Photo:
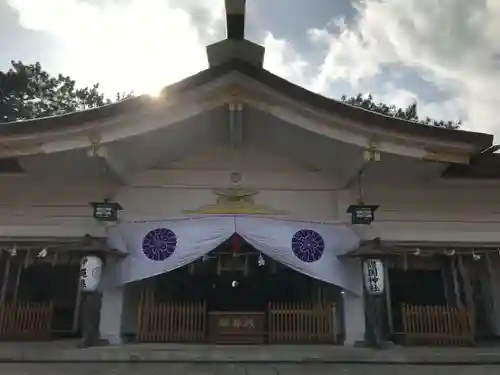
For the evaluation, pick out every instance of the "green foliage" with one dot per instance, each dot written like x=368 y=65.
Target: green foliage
x=28 y=92
x=409 y=114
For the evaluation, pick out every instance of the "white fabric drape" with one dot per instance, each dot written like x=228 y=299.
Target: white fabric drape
x=194 y=238
x=189 y=239
x=274 y=238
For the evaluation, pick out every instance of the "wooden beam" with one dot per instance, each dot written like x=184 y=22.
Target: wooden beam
x=469 y=299
x=5 y=279
x=78 y=302
x=20 y=268
x=235 y=124
x=388 y=299
x=235 y=19
x=456 y=286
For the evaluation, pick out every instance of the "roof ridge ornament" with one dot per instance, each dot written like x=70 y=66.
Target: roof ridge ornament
x=235 y=19
x=235 y=201
x=235 y=46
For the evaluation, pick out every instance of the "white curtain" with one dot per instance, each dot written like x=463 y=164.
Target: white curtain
x=308 y=248
x=158 y=247
x=162 y=246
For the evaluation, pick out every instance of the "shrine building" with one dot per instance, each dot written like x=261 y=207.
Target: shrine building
x=238 y=207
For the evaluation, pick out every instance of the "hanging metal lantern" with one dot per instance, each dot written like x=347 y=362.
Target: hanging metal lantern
x=373 y=275
x=362 y=213
x=106 y=210
x=90 y=273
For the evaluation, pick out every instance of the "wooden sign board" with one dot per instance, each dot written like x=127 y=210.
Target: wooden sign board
x=236 y=327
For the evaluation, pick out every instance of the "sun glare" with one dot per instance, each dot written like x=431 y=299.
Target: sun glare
x=153 y=92
x=139 y=46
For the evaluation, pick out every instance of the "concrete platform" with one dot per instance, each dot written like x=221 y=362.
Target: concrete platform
x=67 y=351
x=128 y=368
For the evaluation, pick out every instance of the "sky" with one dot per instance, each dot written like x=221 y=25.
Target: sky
x=443 y=54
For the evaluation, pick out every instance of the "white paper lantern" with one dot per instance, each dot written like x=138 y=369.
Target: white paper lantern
x=373 y=274
x=90 y=273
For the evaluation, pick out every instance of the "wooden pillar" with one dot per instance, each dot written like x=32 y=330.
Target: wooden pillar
x=374 y=314
x=374 y=336
x=90 y=313
x=5 y=281
x=456 y=284
x=446 y=284
x=20 y=268
x=469 y=299
x=78 y=305
x=487 y=290
x=388 y=300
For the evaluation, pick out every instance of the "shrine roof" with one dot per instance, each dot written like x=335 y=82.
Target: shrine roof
x=80 y=245
x=484 y=166
x=142 y=103
x=378 y=248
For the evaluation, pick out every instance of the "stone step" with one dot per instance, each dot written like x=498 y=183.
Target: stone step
x=68 y=352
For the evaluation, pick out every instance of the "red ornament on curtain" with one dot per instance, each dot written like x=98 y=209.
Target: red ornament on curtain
x=236 y=243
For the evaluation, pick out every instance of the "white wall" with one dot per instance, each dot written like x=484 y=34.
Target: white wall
x=444 y=213
x=39 y=208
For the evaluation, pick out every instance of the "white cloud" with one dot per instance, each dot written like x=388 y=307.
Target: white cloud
x=145 y=45
x=139 y=45
x=454 y=43
x=399 y=97
x=282 y=59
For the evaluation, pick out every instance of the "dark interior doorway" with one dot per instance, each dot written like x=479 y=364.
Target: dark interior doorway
x=44 y=282
x=416 y=287
x=235 y=277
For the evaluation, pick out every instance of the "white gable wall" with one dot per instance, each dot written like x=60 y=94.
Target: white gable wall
x=43 y=208
x=188 y=184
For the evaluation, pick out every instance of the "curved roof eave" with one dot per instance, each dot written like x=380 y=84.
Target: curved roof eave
x=75 y=120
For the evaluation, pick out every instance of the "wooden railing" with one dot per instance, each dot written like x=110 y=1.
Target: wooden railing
x=436 y=325
x=26 y=320
x=172 y=321
x=301 y=323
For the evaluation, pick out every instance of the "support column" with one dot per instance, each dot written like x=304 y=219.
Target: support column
x=354 y=309
x=354 y=319
x=90 y=313
x=111 y=315
x=494 y=276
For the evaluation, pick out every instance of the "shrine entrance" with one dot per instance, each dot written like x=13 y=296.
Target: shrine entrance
x=234 y=295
